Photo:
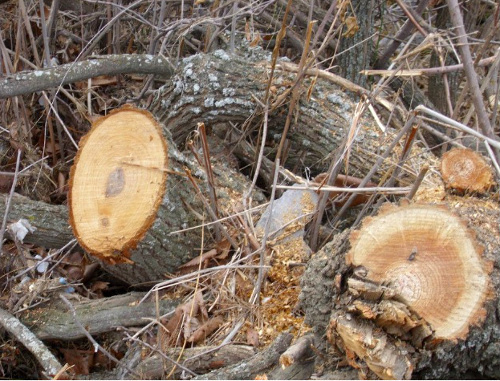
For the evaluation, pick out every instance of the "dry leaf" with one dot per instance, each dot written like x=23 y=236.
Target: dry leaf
x=252 y=337
x=82 y=360
x=352 y=26
x=256 y=40
x=206 y=329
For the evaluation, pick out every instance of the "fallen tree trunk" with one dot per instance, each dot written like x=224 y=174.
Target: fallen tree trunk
x=55 y=322
x=413 y=293
x=219 y=88
x=213 y=89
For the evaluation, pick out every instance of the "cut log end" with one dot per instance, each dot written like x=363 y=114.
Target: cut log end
x=431 y=261
x=117 y=183
x=417 y=280
x=466 y=171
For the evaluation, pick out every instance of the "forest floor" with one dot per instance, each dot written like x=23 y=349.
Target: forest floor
x=39 y=135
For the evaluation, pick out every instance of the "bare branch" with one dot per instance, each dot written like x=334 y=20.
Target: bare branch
x=19 y=331
x=37 y=80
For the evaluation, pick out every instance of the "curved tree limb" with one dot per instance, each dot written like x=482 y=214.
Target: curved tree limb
x=19 y=331
x=30 y=81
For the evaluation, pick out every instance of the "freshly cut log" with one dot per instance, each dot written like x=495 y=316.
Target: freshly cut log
x=221 y=91
x=117 y=183
x=126 y=211
x=466 y=171
x=403 y=295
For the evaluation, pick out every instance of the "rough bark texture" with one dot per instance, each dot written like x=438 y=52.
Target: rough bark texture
x=217 y=89
x=355 y=47
x=324 y=290
x=55 y=322
x=51 y=221
x=436 y=89
x=220 y=88
x=161 y=252
x=199 y=360
x=256 y=365
x=37 y=80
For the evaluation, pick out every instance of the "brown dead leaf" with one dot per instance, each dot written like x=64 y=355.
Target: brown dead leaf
x=6 y=183
x=352 y=25
x=82 y=360
x=256 y=40
x=252 y=337
x=103 y=80
x=98 y=287
x=206 y=329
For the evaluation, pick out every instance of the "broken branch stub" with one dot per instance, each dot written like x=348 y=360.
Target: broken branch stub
x=117 y=183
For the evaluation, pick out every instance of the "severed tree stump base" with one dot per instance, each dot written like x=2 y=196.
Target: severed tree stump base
x=413 y=293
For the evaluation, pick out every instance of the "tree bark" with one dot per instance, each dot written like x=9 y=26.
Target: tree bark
x=27 y=82
x=200 y=360
x=55 y=322
x=161 y=249
x=256 y=365
x=51 y=221
x=221 y=90
x=355 y=49
x=217 y=89
x=379 y=324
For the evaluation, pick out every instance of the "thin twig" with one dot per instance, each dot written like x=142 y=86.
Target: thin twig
x=9 y=199
x=375 y=167
x=418 y=181
x=260 y=278
x=327 y=188
x=210 y=211
x=463 y=47
x=163 y=355
x=453 y=123
x=401 y=36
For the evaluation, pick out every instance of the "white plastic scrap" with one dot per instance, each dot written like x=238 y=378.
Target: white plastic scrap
x=21 y=228
x=42 y=265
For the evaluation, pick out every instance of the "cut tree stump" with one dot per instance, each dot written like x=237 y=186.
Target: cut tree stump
x=405 y=294
x=466 y=171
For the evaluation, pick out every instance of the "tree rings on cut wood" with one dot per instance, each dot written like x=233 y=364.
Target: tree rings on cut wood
x=405 y=294
x=465 y=170
x=117 y=183
x=431 y=261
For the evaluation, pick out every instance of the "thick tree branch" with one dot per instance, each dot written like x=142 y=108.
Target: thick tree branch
x=37 y=80
x=55 y=322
